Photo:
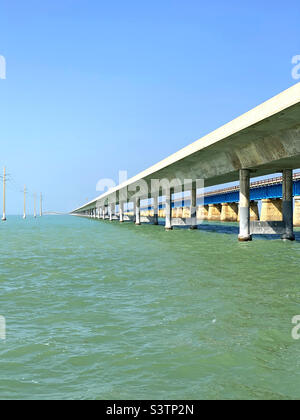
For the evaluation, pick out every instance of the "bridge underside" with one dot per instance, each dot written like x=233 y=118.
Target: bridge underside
x=221 y=163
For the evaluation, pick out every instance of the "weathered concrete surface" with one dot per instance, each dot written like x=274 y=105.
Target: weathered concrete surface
x=186 y=213
x=267 y=228
x=147 y=219
x=214 y=212
x=179 y=213
x=202 y=212
x=181 y=222
x=297 y=212
x=229 y=212
x=287 y=204
x=244 y=209
x=271 y=210
x=254 y=212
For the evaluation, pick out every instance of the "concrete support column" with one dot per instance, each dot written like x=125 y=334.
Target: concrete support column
x=225 y=213
x=186 y=213
x=155 y=207
x=214 y=212
x=297 y=211
x=287 y=204
x=121 y=211
x=134 y=212
x=168 y=210
x=202 y=213
x=138 y=212
x=229 y=212
x=245 y=206
x=179 y=213
x=193 y=209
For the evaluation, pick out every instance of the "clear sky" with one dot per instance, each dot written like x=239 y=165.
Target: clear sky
x=94 y=87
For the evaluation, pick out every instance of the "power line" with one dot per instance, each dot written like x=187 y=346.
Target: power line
x=10 y=184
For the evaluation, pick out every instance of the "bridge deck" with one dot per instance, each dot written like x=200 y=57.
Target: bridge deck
x=265 y=140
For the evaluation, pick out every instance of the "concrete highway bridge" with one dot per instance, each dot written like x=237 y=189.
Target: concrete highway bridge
x=264 y=141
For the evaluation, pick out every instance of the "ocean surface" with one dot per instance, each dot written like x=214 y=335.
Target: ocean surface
x=99 y=310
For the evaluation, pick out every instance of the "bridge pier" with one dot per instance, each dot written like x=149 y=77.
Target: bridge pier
x=287 y=204
x=271 y=210
x=245 y=235
x=121 y=211
x=297 y=211
x=179 y=213
x=112 y=212
x=254 y=213
x=138 y=212
x=202 y=213
x=214 y=212
x=229 y=212
x=155 y=207
x=168 y=210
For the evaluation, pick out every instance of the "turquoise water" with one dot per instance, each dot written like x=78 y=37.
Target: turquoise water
x=99 y=310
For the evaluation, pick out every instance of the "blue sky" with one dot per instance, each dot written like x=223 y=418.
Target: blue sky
x=94 y=87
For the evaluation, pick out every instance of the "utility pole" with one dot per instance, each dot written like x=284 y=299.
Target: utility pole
x=24 y=216
x=41 y=205
x=34 y=211
x=4 y=182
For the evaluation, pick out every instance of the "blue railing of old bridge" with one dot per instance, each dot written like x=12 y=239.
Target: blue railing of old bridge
x=256 y=194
